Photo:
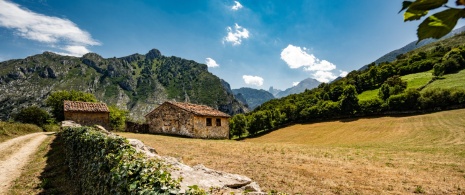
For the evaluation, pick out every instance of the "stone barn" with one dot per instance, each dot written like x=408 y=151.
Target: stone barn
x=87 y=113
x=188 y=119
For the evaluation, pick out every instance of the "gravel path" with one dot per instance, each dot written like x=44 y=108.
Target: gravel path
x=15 y=153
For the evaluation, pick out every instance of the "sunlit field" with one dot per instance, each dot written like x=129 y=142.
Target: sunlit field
x=385 y=155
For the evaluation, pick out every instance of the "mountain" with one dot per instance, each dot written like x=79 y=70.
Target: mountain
x=274 y=91
x=391 y=56
x=252 y=97
x=308 y=83
x=135 y=82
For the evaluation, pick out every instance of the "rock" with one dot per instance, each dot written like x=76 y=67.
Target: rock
x=69 y=124
x=200 y=175
x=141 y=146
x=102 y=129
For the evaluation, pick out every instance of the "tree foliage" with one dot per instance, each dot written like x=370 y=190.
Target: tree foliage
x=339 y=99
x=55 y=101
x=32 y=115
x=117 y=118
x=436 y=25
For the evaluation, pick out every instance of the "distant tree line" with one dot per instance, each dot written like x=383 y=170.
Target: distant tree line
x=339 y=99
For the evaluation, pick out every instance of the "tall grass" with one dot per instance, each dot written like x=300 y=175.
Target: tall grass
x=10 y=130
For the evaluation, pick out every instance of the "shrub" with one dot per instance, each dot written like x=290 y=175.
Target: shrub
x=101 y=164
x=372 y=106
x=32 y=115
x=117 y=118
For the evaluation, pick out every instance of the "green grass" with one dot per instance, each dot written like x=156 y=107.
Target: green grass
x=368 y=95
x=418 y=79
x=413 y=81
x=456 y=80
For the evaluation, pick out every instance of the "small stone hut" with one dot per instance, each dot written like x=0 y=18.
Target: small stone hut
x=189 y=120
x=87 y=113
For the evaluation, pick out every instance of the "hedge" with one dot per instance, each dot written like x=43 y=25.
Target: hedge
x=101 y=164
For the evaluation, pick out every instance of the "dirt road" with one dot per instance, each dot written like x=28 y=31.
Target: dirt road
x=14 y=154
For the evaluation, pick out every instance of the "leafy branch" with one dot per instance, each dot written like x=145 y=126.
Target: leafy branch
x=436 y=25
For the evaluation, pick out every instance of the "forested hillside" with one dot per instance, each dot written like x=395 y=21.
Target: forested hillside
x=136 y=82
x=340 y=99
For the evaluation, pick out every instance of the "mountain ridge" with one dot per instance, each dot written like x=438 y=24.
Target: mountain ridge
x=135 y=82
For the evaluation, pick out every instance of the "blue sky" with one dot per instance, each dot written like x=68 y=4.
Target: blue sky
x=248 y=43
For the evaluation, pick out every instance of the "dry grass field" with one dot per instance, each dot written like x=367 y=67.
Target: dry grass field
x=385 y=155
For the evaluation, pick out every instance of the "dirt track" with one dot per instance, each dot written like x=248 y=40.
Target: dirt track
x=14 y=154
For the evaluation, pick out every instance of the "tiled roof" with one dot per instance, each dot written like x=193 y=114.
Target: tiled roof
x=84 y=106
x=201 y=110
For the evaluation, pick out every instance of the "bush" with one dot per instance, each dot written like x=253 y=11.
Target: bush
x=32 y=115
x=117 y=118
x=101 y=164
x=372 y=106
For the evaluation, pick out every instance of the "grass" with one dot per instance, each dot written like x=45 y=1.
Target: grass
x=418 y=79
x=368 y=95
x=29 y=182
x=386 y=155
x=413 y=81
x=456 y=80
x=9 y=130
x=46 y=173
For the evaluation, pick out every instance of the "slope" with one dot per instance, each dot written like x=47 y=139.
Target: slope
x=253 y=97
x=136 y=82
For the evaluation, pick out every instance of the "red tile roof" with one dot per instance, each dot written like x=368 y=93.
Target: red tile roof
x=196 y=109
x=73 y=106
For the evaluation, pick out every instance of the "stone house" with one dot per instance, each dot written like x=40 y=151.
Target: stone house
x=189 y=120
x=87 y=113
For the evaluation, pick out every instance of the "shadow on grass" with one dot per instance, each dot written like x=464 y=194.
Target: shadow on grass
x=55 y=177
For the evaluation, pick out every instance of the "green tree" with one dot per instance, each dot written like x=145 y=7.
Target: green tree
x=349 y=100
x=55 y=101
x=32 y=115
x=238 y=125
x=438 y=24
x=117 y=118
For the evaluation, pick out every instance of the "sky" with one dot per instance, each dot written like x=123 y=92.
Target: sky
x=248 y=43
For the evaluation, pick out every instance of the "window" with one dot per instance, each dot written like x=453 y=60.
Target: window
x=209 y=121
x=218 y=122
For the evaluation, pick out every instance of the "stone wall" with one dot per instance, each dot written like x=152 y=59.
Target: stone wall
x=89 y=118
x=171 y=120
x=168 y=119
x=201 y=130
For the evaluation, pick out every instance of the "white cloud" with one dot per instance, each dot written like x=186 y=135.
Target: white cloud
x=295 y=83
x=297 y=57
x=211 y=63
x=253 y=80
x=46 y=29
x=236 y=35
x=343 y=73
x=236 y=6
x=324 y=76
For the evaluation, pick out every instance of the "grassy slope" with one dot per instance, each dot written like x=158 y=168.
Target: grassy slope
x=450 y=81
x=11 y=130
x=386 y=155
x=413 y=81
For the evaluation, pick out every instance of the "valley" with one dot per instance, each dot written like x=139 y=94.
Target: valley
x=384 y=155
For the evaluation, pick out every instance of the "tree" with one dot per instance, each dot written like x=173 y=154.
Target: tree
x=349 y=100
x=55 y=101
x=32 y=115
x=117 y=117
x=436 y=25
x=238 y=125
